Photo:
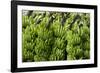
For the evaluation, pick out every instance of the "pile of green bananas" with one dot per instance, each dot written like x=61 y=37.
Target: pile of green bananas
x=55 y=36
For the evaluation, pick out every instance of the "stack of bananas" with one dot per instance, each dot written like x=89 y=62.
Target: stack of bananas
x=55 y=36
